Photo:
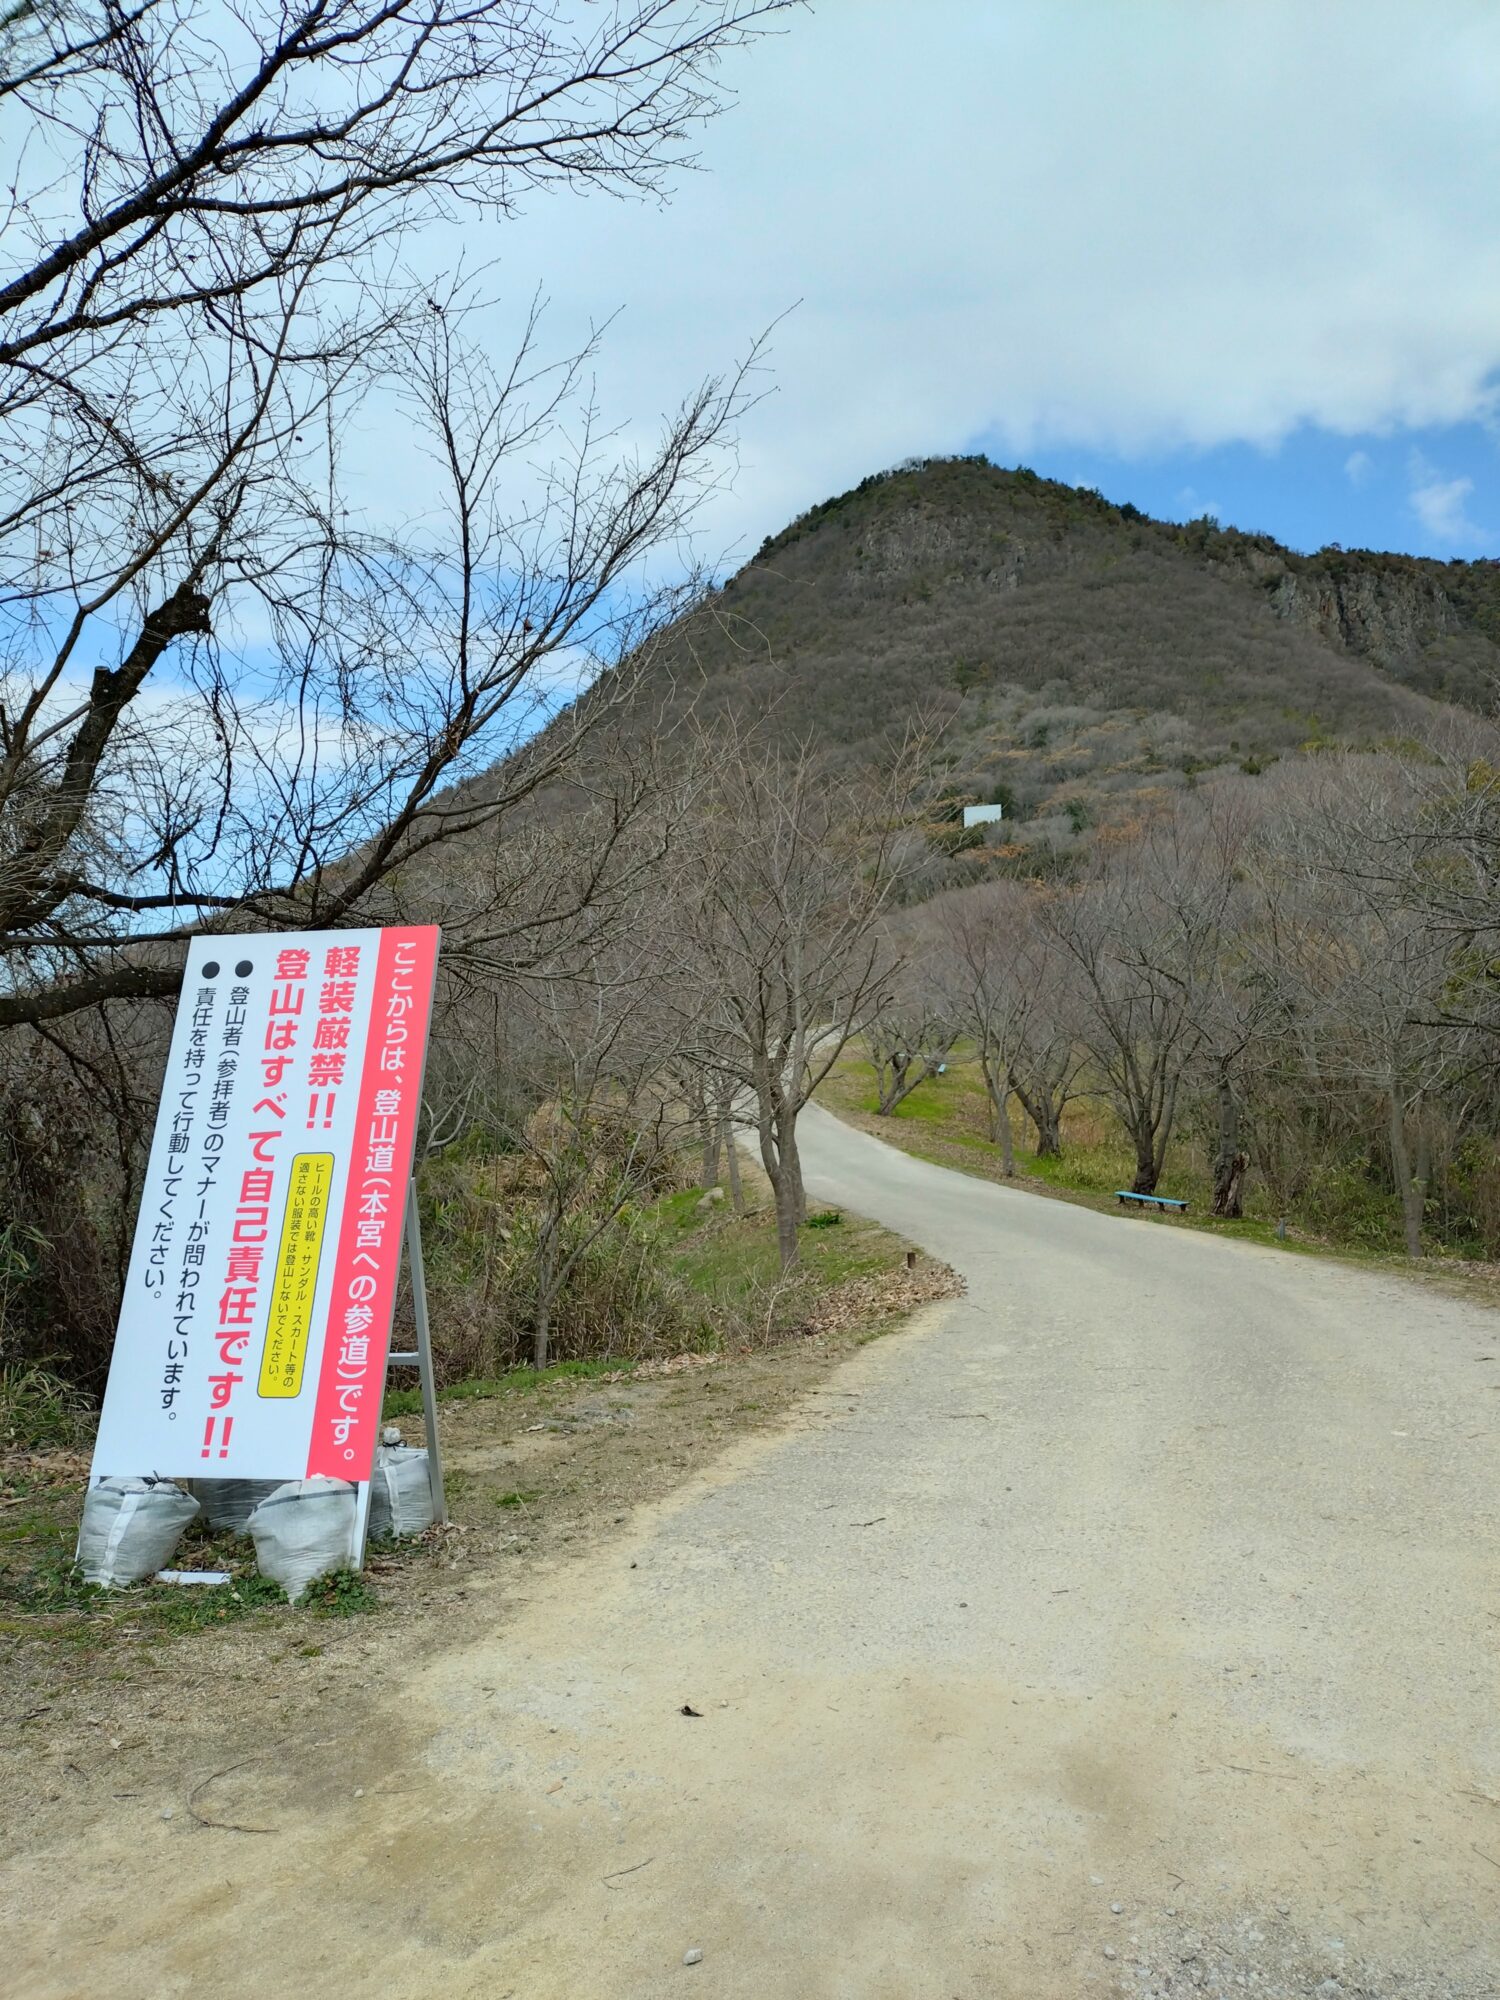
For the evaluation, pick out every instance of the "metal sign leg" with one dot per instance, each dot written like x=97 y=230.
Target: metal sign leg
x=424 y=1353
x=361 y=1523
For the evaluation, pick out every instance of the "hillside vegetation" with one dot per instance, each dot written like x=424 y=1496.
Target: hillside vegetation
x=1085 y=662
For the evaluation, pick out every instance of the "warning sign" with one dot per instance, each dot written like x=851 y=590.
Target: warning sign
x=257 y=1312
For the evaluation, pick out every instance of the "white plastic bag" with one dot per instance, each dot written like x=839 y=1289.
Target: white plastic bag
x=303 y=1530
x=131 y=1527
x=400 y=1491
x=229 y=1503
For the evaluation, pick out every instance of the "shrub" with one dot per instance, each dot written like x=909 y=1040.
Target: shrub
x=73 y=1128
x=480 y=1245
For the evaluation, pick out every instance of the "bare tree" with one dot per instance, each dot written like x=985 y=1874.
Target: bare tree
x=1143 y=933
x=1235 y=1006
x=1362 y=971
x=1008 y=985
x=910 y=1036
x=781 y=944
x=227 y=698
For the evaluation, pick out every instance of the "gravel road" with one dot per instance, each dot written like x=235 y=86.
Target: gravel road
x=1126 y=1627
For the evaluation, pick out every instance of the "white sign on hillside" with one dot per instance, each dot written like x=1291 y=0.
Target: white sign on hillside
x=257 y=1313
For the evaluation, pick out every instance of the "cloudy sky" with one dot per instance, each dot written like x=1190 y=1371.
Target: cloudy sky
x=1239 y=258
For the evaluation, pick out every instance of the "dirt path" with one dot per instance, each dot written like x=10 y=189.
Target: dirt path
x=1127 y=1627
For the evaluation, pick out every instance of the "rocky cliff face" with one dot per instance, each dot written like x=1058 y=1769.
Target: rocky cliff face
x=1432 y=626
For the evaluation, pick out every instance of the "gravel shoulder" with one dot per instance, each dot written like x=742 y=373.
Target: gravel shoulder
x=1124 y=1627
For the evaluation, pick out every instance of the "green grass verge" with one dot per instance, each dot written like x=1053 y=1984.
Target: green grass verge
x=515 y=1382
x=946 y=1121
x=43 y=1593
x=729 y=1259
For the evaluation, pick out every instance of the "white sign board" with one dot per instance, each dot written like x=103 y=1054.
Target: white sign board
x=257 y=1313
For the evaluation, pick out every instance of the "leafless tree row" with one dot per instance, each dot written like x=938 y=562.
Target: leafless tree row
x=1303 y=967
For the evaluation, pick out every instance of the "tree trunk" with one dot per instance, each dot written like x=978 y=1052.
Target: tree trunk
x=1147 y=1171
x=1229 y=1162
x=1411 y=1193
x=1043 y=1113
x=732 y=1166
x=791 y=1164
x=713 y=1139
x=764 y=1133
x=1005 y=1136
x=1229 y=1184
x=788 y=1248
x=1149 y=1122
x=889 y=1076
x=1000 y=1130
x=905 y=1073
x=791 y=1200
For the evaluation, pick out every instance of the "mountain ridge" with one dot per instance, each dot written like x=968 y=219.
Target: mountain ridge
x=1077 y=652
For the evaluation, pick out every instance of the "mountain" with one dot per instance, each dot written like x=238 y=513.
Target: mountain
x=1078 y=654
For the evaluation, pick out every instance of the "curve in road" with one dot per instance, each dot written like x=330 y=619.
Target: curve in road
x=1125 y=1627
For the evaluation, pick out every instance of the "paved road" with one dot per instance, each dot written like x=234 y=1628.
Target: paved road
x=1158 y=1572
x=1127 y=1627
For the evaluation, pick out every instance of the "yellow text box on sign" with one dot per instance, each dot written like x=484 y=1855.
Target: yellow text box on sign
x=296 y=1280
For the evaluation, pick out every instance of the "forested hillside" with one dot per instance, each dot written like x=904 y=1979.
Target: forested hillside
x=1082 y=658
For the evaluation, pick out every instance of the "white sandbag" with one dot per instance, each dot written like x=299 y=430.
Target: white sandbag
x=131 y=1527
x=229 y=1503
x=303 y=1530
x=400 y=1492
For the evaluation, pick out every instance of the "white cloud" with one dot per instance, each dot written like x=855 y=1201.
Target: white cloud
x=1358 y=467
x=1051 y=221
x=1441 y=505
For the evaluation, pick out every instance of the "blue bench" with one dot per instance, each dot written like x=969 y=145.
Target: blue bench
x=1150 y=1200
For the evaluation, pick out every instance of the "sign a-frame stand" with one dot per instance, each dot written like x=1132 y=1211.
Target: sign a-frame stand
x=421 y=1359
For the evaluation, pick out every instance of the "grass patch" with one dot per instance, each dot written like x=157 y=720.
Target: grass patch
x=54 y=1591
x=732 y=1263
x=56 y=1583
x=343 y=1593
x=187 y=1607
x=515 y=1382
x=48 y=1599
x=946 y=1121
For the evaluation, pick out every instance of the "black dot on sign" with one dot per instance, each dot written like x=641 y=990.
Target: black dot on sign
x=211 y=970
x=244 y=969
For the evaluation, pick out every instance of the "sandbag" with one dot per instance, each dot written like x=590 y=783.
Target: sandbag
x=303 y=1530
x=130 y=1528
x=400 y=1491
x=229 y=1503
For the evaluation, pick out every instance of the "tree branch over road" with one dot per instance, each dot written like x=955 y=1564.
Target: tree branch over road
x=230 y=695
